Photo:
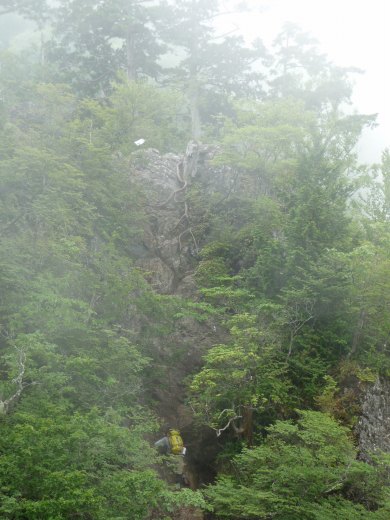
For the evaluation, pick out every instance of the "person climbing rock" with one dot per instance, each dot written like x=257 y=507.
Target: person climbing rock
x=162 y=445
x=172 y=445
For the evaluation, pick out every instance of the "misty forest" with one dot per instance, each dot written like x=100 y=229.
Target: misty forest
x=190 y=241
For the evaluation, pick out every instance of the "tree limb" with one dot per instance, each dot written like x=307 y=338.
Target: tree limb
x=19 y=381
x=220 y=430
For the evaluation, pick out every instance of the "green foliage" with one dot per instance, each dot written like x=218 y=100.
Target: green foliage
x=243 y=376
x=185 y=498
x=210 y=66
x=139 y=110
x=263 y=136
x=299 y=471
x=291 y=279
x=91 y=43
x=74 y=311
x=300 y=71
x=66 y=463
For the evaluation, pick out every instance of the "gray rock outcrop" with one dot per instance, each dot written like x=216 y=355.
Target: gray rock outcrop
x=171 y=242
x=373 y=428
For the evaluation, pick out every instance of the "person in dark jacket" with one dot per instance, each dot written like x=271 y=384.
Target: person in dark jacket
x=176 y=461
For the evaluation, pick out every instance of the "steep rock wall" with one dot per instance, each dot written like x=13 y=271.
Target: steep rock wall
x=167 y=252
x=170 y=244
x=373 y=428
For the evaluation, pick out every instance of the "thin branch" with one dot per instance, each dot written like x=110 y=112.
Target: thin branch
x=219 y=36
x=18 y=380
x=185 y=215
x=189 y=230
x=175 y=192
x=220 y=430
x=195 y=242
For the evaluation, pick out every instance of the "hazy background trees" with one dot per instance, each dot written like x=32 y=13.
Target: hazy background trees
x=293 y=265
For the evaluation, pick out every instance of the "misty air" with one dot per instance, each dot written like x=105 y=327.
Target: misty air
x=194 y=260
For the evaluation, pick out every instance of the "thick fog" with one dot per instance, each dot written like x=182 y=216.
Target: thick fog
x=352 y=33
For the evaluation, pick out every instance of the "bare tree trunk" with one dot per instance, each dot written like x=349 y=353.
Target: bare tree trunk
x=130 y=53
x=247 y=425
x=193 y=98
x=358 y=331
x=42 y=44
x=6 y=404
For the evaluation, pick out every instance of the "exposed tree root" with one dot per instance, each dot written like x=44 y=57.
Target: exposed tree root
x=187 y=168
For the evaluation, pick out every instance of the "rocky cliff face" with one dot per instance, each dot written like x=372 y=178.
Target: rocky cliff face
x=374 y=425
x=171 y=242
x=167 y=252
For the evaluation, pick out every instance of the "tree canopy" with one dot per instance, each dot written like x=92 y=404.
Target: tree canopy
x=280 y=323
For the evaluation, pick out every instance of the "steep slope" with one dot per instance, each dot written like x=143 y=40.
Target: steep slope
x=168 y=255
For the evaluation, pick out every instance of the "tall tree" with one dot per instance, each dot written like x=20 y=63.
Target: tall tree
x=208 y=63
x=299 y=70
x=93 y=41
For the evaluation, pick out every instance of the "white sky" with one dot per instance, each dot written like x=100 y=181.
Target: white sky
x=352 y=33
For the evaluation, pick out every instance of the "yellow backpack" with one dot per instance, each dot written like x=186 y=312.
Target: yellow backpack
x=175 y=442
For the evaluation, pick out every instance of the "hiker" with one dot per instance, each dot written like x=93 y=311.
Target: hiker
x=163 y=445
x=172 y=444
